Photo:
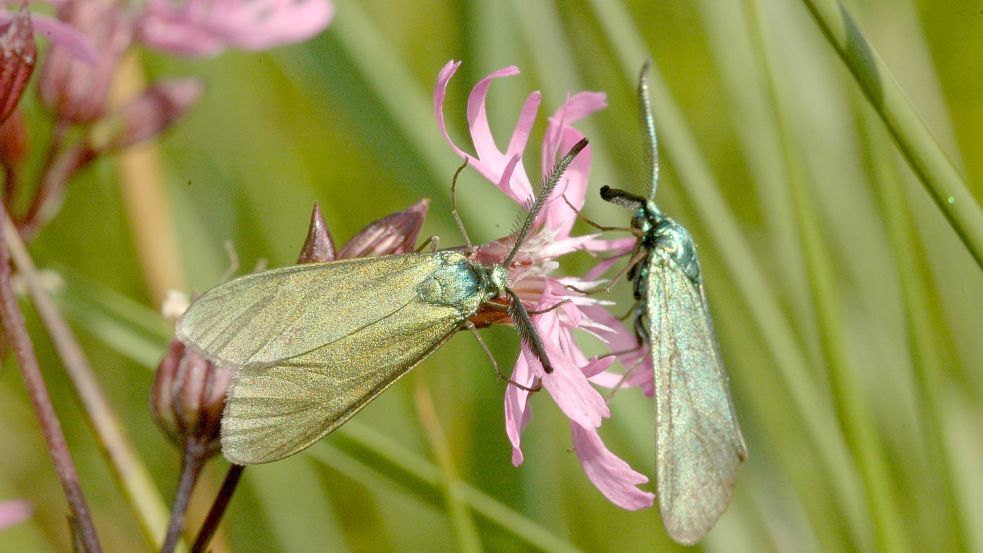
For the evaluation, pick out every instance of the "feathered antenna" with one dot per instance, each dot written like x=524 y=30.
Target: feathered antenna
x=552 y=179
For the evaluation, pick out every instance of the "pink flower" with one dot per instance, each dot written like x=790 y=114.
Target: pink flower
x=530 y=274
x=207 y=27
x=14 y=512
x=60 y=34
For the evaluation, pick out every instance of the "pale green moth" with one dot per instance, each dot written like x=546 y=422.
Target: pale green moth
x=313 y=344
x=698 y=444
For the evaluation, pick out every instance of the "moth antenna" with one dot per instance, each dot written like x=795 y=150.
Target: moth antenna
x=650 y=146
x=552 y=179
x=527 y=332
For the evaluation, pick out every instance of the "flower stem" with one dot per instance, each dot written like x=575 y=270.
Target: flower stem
x=934 y=169
x=13 y=324
x=218 y=508
x=853 y=412
x=460 y=514
x=145 y=195
x=128 y=469
x=191 y=467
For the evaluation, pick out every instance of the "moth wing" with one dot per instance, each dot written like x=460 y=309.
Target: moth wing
x=275 y=411
x=266 y=317
x=698 y=442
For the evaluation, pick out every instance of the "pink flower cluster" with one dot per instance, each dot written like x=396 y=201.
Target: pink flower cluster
x=570 y=383
x=206 y=27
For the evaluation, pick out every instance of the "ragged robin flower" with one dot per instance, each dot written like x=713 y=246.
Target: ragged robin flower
x=531 y=274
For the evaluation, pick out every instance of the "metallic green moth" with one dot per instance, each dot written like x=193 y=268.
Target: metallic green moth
x=698 y=443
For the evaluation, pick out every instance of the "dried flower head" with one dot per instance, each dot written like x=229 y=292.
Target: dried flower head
x=17 y=57
x=76 y=89
x=187 y=398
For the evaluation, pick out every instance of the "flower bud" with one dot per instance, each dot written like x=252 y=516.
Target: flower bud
x=17 y=57
x=319 y=246
x=13 y=141
x=395 y=233
x=76 y=89
x=147 y=115
x=188 y=397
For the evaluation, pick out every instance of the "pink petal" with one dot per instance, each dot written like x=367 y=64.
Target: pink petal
x=607 y=263
x=597 y=366
x=563 y=246
x=560 y=137
x=568 y=386
x=609 y=473
x=620 y=339
x=206 y=27
x=61 y=34
x=14 y=512
x=439 y=94
x=489 y=161
x=516 y=406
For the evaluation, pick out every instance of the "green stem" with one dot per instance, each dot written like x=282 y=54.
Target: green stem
x=923 y=340
x=215 y=514
x=461 y=521
x=191 y=467
x=414 y=467
x=83 y=529
x=855 y=419
x=924 y=154
x=128 y=469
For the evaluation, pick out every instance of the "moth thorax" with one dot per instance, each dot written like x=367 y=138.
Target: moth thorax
x=454 y=284
x=674 y=242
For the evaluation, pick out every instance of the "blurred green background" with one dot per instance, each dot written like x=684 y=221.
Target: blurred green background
x=847 y=309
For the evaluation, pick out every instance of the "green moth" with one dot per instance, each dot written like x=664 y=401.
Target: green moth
x=698 y=443
x=313 y=344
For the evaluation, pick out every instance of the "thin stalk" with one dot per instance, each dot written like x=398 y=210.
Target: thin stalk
x=128 y=469
x=920 y=148
x=215 y=514
x=191 y=467
x=855 y=419
x=923 y=344
x=144 y=194
x=13 y=325
x=413 y=467
x=461 y=521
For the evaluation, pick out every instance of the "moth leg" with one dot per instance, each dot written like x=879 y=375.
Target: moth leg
x=637 y=256
x=625 y=376
x=433 y=241
x=457 y=216
x=499 y=307
x=548 y=309
x=470 y=326
x=598 y=226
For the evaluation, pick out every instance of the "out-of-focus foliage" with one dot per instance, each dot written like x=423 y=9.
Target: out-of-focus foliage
x=765 y=140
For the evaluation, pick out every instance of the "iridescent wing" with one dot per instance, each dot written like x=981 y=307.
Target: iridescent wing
x=698 y=442
x=274 y=412
x=262 y=318
x=313 y=344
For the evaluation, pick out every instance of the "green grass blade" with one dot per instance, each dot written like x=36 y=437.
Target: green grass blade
x=912 y=135
x=854 y=415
